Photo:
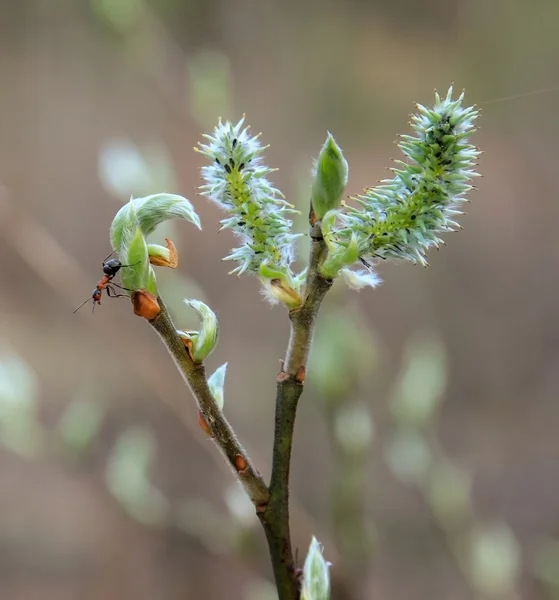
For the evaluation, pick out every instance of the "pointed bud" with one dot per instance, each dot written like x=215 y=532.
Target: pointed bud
x=202 y=343
x=316 y=574
x=329 y=178
x=145 y=305
x=163 y=257
x=216 y=383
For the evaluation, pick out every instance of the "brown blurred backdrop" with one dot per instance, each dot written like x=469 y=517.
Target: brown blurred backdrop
x=108 y=489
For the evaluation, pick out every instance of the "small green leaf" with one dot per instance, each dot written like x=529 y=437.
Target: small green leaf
x=339 y=257
x=216 y=383
x=135 y=276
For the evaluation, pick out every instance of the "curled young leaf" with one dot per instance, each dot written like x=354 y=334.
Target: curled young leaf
x=150 y=212
x=136 y=220
x=201 y=344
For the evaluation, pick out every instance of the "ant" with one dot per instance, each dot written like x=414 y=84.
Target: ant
x=111 y=266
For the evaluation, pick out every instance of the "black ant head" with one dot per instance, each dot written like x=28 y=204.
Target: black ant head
x=96 y=295
x=112 y=267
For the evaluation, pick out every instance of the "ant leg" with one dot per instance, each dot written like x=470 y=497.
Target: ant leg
x=136 y=263
x=120 y=286
x=114 y=294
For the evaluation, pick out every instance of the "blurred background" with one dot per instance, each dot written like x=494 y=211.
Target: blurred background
x=426 y=453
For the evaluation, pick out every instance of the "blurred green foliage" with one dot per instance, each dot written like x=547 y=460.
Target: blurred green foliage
x=20 y=429
x=127 y=477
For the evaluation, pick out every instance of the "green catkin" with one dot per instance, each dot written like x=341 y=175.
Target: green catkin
x=404 y=216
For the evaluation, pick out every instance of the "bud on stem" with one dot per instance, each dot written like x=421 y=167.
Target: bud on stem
x=330 y=174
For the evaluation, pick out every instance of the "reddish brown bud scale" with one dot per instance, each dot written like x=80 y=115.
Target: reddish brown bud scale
x=240 y=463
x=204 y=424
x=188 y=345
x=173 y=261
x=145 y=305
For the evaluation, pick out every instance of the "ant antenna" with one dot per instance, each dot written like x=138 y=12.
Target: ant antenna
x=108 y=257
x=82 y=304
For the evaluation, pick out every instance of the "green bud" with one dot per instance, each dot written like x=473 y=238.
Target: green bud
x=329 y=178
x=216 y=383
x=316 y=574
x=203 y=342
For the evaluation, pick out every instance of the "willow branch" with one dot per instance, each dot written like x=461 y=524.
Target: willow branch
x=223 y=434
x=275 y=519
